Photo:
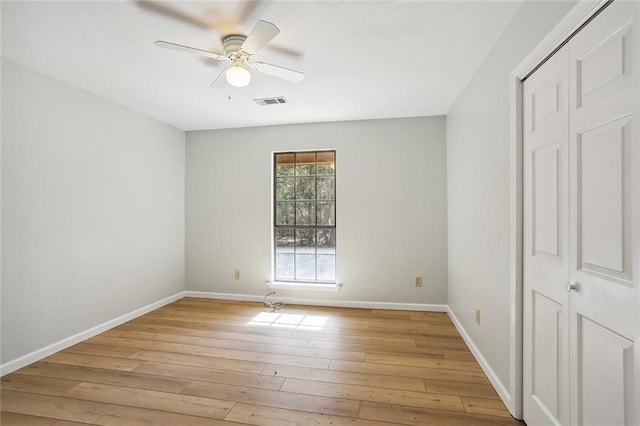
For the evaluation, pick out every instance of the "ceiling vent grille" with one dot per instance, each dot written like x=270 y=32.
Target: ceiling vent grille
x=271 y=101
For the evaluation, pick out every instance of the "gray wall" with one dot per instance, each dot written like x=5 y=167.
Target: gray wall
x=478 y=182
x=92 y=211
x=391 y=207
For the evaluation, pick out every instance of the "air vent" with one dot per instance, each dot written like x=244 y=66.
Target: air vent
x=271 y=101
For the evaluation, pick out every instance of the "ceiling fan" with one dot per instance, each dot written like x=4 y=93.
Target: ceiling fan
x=239 y=49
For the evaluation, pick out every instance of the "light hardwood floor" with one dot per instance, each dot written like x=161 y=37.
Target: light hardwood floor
x=214 y=362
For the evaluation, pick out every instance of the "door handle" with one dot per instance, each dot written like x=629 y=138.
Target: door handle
x=569 y=286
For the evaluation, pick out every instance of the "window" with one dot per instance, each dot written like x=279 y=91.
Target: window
x=304 y=228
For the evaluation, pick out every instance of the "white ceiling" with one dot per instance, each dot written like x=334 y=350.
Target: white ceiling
x=362 y=59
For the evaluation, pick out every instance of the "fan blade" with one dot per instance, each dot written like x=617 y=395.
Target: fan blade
x=220 y=82
x=174 y=46
x=161 y=8
x=248 y=9
x=280 y=72
x=260 y=35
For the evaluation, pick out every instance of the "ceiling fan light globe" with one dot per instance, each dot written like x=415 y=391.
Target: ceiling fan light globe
x=238 y=76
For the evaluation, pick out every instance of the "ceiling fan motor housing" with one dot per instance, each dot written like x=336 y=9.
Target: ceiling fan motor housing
x=232 y=44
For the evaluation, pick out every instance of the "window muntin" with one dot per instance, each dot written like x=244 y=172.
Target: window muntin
x=304 y=225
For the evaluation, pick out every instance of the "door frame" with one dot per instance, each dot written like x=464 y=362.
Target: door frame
x=577 y=17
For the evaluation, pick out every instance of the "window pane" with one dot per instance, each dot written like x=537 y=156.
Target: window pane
x=306 y=241
x=285 y=189
x=326 y=214
x=305 y=213
x=285 y=164
x=285 y=213
x=305 y=267
x=284 y=267
x=326 y=241
x=326 y=188
x=285 y=241
x=326 y=268
x=305 y=163
x=306 y=188
x=326 y=163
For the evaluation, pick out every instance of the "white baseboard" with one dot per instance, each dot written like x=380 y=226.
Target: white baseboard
x=500 y=388
x=322 y=302
x=39 y=354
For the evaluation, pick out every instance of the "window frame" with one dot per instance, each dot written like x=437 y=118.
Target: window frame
x=295 y=281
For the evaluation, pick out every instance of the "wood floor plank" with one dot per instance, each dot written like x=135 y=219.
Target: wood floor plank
x=140 y=398
x=85 y=360
x=260 y=381
x=387 y=340
x=414 y=361
x=441 y=342
x=34 y=384
x=269 y=416
x=493 y=407
x=424 y=416
x=409 y=371
x=349 y=378
x=106 y=351
x=433 y=351
x=374 y=394
x=132 y=416
x=13 y=419
x=218 y=362
x=479 y=390
x=462 y=355
x=200 y=361
x=54 y=407
x=277 y=399
x=133 y=379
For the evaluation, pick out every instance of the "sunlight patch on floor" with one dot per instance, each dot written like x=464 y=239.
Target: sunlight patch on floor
x=293 y=321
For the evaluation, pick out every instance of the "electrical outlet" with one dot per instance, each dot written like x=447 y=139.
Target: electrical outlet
x=417 y=281
x=236 y=274
x=477 y=316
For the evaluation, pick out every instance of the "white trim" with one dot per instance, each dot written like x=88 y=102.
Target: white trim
x=224 y=296
x=572 y=21
x=39 y=354
x=277 y=285
x=515 y=253
x=323 y=302
x=502 y=391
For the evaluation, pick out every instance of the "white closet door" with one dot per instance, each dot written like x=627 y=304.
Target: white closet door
x=546 y=243
x=604 y=187
x=582 y=227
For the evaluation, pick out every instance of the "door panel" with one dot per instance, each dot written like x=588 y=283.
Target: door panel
x=547 y=333
x=546 y=211
x=605 y=365
x=546 y=253
x=604 y=195
x=604 y=67
x=603 y=153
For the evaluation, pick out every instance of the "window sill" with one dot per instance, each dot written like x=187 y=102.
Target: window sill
x=303 y=286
